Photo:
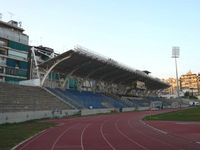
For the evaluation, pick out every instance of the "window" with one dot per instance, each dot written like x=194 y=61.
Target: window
x=17 y=65
x=2 y=51
x=1 y=70
x=1 y=79
x=2 y=60
x=2 y=43
x=14 y=53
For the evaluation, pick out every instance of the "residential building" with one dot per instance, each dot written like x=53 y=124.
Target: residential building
x=189 y=82
x=173 y=88
x=198 y=82
x=14 y=52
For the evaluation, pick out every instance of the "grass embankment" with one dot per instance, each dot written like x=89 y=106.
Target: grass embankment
x=12 y=134
x=192 y=114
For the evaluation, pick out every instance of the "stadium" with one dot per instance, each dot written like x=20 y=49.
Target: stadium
x=80 y=79
x=37 y=83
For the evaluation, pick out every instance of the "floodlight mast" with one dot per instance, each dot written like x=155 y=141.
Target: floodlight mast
x=175 y=54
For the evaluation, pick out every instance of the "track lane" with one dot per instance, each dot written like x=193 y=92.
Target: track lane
x=123 y=131
x=177 y=143
x=117 y=139
x=44 y=140
x=138 y=133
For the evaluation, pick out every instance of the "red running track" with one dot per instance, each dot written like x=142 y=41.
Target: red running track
x=125 y=131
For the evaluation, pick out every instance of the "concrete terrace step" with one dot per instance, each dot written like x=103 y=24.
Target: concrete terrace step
x=19 y=97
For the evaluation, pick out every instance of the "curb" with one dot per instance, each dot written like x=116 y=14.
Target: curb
x=28 y=139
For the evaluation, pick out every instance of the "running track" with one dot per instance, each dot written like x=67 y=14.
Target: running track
x=125 y=131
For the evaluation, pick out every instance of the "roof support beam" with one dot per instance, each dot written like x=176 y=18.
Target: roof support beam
x=111 y=73
x=77 y=67
x=51 y=68
x=96 y=70
x=136 y=78
x=122 y=76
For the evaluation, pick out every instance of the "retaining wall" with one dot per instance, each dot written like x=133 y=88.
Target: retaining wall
x=143 y=108
x=85 y=112
x=128 y=109
x=13 y=117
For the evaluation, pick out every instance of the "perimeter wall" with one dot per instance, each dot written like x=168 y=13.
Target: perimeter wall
x=12 y=117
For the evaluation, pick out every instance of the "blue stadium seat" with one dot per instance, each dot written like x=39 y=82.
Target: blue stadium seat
x=88 y=99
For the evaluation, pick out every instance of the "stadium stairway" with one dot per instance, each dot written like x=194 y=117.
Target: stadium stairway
x=15 y=98
x=60 y=93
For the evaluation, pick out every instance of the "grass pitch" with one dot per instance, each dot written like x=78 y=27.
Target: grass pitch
x=13 y=134
x=192 y=114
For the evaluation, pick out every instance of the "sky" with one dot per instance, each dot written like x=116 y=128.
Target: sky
x=138 y=33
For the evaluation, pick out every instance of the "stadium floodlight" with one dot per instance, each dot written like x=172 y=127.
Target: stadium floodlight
x=175 y=54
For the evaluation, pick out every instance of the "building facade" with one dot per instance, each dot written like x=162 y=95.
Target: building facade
x=14 y=52
x=198 y=81
x=189 y=82
x=173 y=88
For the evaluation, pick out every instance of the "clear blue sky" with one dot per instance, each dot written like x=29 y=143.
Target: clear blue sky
x=139 y=33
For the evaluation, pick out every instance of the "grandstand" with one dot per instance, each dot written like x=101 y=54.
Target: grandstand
x=35 y=78
x=79 y=79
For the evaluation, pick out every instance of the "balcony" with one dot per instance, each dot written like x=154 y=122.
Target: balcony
x=13 y=71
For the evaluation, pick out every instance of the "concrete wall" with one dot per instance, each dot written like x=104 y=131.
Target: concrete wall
x=128 y=109
x=14 y=36
x=85 y=112
x=33 y=82
x=12 y=117
x=143 y=108
x=109 y=110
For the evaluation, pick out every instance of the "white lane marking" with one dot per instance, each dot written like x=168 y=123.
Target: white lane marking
x=72 y=146
x=173 y=135
x=31 y=139
x=101 y=130
x=161 y=131
x=82 y=147
x=158 y=134
x=58 y=138
x=133 y=141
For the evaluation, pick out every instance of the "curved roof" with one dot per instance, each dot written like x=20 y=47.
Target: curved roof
x=84 y=64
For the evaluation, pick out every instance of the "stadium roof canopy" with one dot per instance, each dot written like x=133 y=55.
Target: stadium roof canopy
x=88 y=65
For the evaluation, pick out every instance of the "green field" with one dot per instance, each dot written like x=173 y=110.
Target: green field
x=192 y=114
x=12 y=134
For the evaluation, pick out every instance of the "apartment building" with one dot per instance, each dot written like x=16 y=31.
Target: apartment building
x=173 y=88
x=14 y=52
x=189 y=82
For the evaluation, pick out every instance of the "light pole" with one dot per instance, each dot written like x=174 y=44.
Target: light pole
x=175 y=54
